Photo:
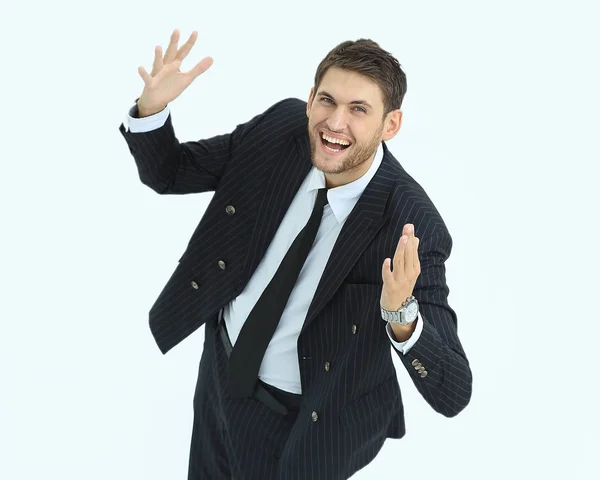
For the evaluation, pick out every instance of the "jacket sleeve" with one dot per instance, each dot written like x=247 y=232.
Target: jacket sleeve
x=437 y=363
x=168 y=166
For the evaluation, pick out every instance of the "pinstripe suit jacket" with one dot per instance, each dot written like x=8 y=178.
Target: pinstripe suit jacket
x=258 y=169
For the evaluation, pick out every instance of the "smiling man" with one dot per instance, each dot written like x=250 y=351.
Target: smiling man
x=318 y=256
x=345 y=128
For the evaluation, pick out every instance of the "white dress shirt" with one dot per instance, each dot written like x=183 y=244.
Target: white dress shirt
x=280 y=366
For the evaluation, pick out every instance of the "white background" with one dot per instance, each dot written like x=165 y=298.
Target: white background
x=500 y=127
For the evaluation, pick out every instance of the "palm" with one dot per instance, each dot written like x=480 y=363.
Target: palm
x=166 y=82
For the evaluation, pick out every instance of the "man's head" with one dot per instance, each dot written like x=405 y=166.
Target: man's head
x=354 y=72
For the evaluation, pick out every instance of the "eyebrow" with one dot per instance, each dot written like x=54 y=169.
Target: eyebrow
x=353 y=102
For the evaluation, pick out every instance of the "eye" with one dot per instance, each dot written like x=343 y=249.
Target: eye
x=328 y=100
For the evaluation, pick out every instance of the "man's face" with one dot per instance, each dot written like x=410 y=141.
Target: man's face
x=331 y=113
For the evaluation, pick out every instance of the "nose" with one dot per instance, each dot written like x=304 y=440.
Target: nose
x=337 y=121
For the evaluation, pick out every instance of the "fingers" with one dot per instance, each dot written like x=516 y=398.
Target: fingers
x=201 y=67
x=399 y=255
x=416 y=262
x=406 y=258
x=411 y=260
x=172 y=48
x=409 y=250
x=158 y=62
x=173 y=53
x=187 y=46
x=144 y=74
x=386 y=273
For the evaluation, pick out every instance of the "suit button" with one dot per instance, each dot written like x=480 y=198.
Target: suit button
x=421 y=369
x=221 y=264
x=424 y=374
x=195 y=285
x=230 y=209
x=353 y=329
x=327 y=364
x=315 y=417
x=416 y=363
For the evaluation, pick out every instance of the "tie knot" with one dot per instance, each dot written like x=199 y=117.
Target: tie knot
x=321 y=198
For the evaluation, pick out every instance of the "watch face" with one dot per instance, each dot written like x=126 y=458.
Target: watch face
x=412 y=310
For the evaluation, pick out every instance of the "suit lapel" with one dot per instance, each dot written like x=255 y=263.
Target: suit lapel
x=281 y=185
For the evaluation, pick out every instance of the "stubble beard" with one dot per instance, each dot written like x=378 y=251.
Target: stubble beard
x=359 y=154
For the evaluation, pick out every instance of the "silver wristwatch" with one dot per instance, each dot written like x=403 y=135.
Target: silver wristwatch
x=405 y=315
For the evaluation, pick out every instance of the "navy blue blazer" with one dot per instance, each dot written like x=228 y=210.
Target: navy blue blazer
x=255 y=171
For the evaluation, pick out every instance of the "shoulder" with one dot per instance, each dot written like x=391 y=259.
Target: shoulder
x=409 y=202
x=290 y=114
x=280 y=121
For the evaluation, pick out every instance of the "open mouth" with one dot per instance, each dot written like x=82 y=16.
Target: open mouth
x=332 y=147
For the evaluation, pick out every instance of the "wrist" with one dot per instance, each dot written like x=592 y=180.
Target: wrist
x=144 y=111
x=403 y=332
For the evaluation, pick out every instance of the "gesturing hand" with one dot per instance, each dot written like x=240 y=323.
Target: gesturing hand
x=398 y=285
x=166 y=82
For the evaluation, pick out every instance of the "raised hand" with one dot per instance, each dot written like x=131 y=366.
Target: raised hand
x=399 y=284
x=166 y=82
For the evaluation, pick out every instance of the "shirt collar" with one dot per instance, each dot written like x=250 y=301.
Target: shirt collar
x=342 y=199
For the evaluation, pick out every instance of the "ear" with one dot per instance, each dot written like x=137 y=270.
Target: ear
x=310 y=100
x=393 y=122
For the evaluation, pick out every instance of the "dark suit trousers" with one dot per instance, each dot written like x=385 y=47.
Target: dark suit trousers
x=233 y=438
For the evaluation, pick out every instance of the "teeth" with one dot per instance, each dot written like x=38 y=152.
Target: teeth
x=332 y=149
x=335 y=140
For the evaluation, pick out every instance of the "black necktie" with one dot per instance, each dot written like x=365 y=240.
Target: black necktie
x=258 y=329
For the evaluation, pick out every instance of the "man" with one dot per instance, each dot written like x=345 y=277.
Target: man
x=288 y=270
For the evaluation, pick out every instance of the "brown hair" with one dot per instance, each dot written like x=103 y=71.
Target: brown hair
x=366 y=57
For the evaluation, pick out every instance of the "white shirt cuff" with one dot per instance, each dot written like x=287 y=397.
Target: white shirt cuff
x=146 y=124
x=404 y=347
